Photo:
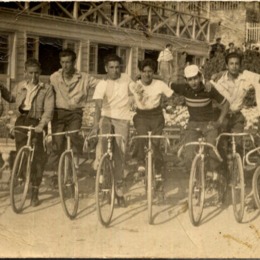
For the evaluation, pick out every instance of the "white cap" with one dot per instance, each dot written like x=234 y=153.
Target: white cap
x=191 y=71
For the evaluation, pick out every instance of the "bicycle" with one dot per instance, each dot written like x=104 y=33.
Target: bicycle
x=256 y=176
x=236 y=166
x=67 y=177
x=197 y=186
x=21 y=172
x=149 y=170
x=105 y=192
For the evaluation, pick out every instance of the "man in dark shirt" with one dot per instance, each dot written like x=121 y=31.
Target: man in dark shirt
x=203 y=115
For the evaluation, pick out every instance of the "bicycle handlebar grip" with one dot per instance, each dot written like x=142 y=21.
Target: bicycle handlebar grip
x=249 y=153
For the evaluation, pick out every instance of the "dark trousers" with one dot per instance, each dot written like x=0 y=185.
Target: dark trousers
x=39 y=158
x=143 y=124
x=192 y=135
x=65 y=120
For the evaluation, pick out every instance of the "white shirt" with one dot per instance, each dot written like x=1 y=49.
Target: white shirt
x=149 y=97
x=165 y=55
x=115 y=96
x=235 y=90
x=31 y=93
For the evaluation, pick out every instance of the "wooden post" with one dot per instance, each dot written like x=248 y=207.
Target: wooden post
x=75 y=10
x=115 y=20
x=149 y=22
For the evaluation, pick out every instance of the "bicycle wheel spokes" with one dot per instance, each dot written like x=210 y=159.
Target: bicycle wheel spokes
x=20 y=179
x=196 y=190
x=238 y=187
x=105 y=191
x=256 y=186
x=150 y=188
x=68 y=185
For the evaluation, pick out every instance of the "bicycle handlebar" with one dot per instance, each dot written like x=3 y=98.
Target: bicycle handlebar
x=235 y=135
x=151 y=137
x=64 y=133
x=198 y=144
x=249 y=153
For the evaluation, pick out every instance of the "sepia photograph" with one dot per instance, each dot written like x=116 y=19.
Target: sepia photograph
x=130 y=129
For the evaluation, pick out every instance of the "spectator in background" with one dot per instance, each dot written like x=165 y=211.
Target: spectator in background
x=165 y=61
x=231 y=48
x=217 y=47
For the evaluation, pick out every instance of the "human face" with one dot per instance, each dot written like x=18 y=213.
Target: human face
x=67 y=64
x=233 y=66
x=113 y=70
x=147 y=75
x=32 y=74
x=194 y=82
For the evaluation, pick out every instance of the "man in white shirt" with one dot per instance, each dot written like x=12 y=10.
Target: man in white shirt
x=234 y=85
x=113 y=112
x=149 y=116
x=165 y=61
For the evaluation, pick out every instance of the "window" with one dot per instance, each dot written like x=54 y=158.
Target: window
x=46 y=50
x=4 y=53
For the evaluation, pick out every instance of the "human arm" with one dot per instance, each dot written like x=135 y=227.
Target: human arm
x=6 y=94
x=48 y=108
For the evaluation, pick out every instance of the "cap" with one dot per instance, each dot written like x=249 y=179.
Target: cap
x=191 y=71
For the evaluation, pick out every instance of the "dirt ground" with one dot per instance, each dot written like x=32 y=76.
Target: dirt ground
x=45 y=231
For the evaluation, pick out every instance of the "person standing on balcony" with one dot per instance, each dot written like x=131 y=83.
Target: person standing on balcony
x=165 y=61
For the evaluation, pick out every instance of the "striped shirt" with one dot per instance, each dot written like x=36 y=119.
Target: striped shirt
x=199 y=101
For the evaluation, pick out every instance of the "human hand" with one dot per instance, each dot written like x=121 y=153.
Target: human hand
x=208 y=86
x=38 y=129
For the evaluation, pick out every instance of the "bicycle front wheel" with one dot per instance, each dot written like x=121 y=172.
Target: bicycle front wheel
x=105 y=191
x=237 y=187
x=256 y=186
x=20 y=179
x=68 y=185
x=196 y=190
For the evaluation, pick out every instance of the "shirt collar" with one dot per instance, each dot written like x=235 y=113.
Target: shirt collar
x=77 y=75
x=39 y=85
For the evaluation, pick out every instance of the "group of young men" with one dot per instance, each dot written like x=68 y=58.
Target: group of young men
x=62 y=101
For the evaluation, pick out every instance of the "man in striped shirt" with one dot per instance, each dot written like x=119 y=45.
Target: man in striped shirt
x=203 y=115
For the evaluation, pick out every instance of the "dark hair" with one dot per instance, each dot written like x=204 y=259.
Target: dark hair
x=168 y=45
x=32 y=62
x=147 y=62
x=112 y=57
x=233 y=55
x=218 y=39
x=231 y=43
x=68 y=53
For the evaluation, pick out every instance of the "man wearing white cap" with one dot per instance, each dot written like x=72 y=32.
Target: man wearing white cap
x=202 y=113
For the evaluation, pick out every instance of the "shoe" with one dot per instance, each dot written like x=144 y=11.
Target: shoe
x=141 y=169
x=34 y=199
x=158 y=183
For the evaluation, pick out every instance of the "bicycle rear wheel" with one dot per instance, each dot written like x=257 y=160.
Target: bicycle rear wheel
x=105 y=191
x=238 y=187
x=256 y=186
x=68 y=185
x=150 y=188
x=196 y=190
x=20 y=179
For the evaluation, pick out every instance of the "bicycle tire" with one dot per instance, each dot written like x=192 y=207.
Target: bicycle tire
x=256 y=186
x=196 y=190
x=237 y=187
x=68 y=185
x=20 y=179
x=150 y=188
x=105 y=191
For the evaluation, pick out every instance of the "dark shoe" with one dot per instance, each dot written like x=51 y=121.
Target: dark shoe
x=35 y=200
x=158 y=183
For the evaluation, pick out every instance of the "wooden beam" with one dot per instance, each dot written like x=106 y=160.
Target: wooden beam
x=104 y=15
x=201 y=28
x=186 y=27
x=115 y=20
x=65 y=10
x=75 y=10
x=90 y=11
x=149 y=18
x=125 y=21
x=193 y=28
x=38 y=7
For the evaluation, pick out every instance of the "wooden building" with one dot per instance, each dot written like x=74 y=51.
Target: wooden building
x=133 y=30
